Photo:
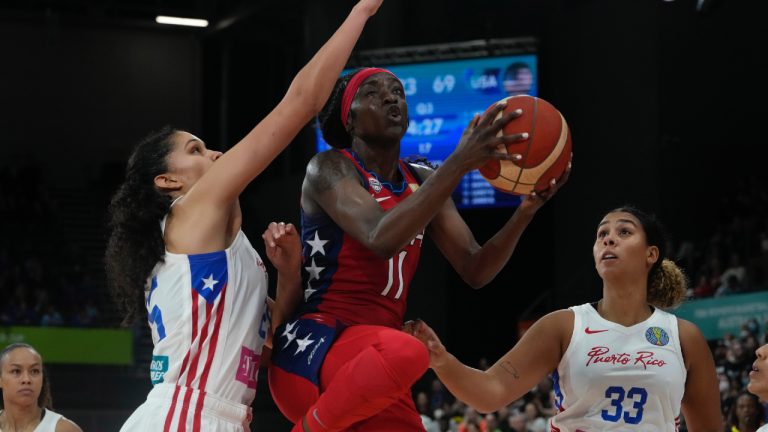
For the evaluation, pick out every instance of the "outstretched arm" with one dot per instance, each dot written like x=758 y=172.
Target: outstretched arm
x=332 y=183
x=283 y=247
x=227 y=178
x=701 y=400
x=531 y=359
x=476 y=264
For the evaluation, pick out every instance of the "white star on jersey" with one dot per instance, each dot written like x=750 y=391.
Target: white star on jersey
x=314 y=270
x=304 y=343
x=309 y=291
x=317 y=245
x=209 y=282
x=287 y=333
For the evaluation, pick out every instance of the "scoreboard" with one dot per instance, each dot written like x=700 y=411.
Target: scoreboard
x=443 y=96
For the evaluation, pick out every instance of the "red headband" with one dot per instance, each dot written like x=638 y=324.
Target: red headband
x=351 y=90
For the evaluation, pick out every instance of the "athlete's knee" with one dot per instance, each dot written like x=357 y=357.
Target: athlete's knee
x=407 y=356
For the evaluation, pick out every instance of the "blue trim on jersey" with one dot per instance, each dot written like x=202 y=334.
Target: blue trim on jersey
x=327 y=229
x=558 y=392
x=392 y=188
x=152 y=288
x=209 y=274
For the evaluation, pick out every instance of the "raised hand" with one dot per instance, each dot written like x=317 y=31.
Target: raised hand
x=480 y=140
x=283 y=246
x=370 y=6
x=438 y=355
x=535 y=200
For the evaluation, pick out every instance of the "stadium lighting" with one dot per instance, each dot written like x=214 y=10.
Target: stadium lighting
x=191 y=22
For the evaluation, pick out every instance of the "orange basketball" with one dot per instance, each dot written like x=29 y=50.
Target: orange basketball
x=545 y=153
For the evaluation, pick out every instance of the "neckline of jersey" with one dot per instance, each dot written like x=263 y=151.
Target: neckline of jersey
x=620 y=327
x=392 y=188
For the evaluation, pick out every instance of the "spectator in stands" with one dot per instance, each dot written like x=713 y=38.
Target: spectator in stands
x=25 y=395
x=542 y=397
x=731 y=285
x=517 y=423
x=535 y=419
x=438 y=396
x=703 y=288
x=491 y=423
x=746 y=415
x=471 y=418
x=422 y=404
x=735 y=268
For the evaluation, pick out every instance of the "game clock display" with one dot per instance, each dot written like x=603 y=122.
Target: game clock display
x=443 y=97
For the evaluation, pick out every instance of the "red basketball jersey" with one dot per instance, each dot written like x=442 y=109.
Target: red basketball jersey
x=346 y=281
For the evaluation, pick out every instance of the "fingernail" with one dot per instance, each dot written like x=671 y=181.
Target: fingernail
x=524 y=135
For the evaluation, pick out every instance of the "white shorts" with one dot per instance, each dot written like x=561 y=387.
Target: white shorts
x=209 y=414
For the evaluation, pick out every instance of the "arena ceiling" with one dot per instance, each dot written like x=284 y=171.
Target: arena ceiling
x=223 y=15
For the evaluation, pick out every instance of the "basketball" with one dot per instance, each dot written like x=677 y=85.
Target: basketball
x=545 y=154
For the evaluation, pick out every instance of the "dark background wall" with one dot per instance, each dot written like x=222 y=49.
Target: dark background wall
x=665 y=102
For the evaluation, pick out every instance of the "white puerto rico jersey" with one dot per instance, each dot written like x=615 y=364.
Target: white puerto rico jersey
x=616 y=378
x=209 y=320
x=49 y=422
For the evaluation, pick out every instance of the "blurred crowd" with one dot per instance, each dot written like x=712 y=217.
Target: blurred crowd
x=734 y=258
x=43 y=281
x=441 y=412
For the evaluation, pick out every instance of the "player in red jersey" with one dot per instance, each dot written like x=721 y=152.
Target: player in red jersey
x=343 y=363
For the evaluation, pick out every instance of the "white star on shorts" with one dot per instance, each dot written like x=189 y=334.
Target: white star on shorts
x=304 y=343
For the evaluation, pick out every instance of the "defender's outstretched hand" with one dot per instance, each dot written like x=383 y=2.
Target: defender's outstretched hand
x=283 y=246
x=535 y=200
x=438 y=355
x=370 y=6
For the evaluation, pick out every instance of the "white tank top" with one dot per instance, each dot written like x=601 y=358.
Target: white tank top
x=49 y=422
x=616 y=378
x=209 y=320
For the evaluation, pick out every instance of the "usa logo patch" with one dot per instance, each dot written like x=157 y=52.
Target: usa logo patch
x=657 y=336
x=375 y=184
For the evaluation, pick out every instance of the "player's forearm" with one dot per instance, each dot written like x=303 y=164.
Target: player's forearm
x=476 y=388
x=484 y=264
x=398 y=226
x=289 y=297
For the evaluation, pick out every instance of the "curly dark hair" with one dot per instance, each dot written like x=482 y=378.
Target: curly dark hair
x=667 y=284
x=135 y=242
x=334 y=131
x=44 y=400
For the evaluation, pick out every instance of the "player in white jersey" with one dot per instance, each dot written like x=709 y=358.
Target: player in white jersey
x=25 y=396
x=758 y=378
x=621 y=364
x=176 y=249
